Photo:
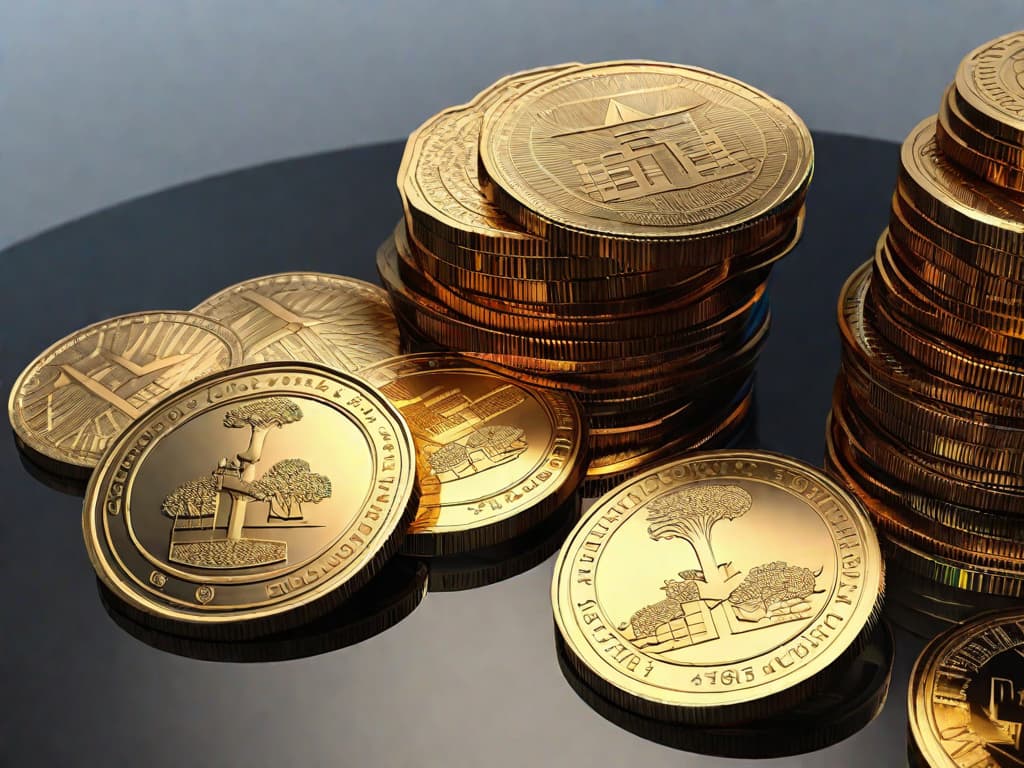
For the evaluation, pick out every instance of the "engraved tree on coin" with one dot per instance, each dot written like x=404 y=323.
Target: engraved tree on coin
x=708 y=604
x=199 y=537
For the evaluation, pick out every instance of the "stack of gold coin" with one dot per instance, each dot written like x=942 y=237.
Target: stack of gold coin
x=721 y=589
x=927 y=425
x=605 y=230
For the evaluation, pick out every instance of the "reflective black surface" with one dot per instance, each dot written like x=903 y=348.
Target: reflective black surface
x=471 y=677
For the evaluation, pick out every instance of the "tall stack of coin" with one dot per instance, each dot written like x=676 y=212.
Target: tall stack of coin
x=605 y=230
x=927 y=423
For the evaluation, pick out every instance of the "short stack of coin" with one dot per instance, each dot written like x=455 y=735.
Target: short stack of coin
x=605 y=230
x=927 y=423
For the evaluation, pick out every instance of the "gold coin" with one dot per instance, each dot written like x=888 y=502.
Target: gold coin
x=646 y=162
x=978 y=139
x=308 y=316
x=900 y=522
x=770 y=574
x=931 y=312
x=962 y=525
x=387 y=599
x=864 y=346
x=73 y=400
x=960 y=151
x=494 y=457
x=963 y=203
x=990 y=81
x=438 y=180
x=964 y=693
x=251 y=500
x=855 y=698
x=1004 y=582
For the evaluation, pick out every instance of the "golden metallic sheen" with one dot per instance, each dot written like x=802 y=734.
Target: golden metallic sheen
x=495 y=457
x=252 y=499
x=990 y=82
x=308 y=316
x=963 y=704
x=718 y=587
x=73 y=400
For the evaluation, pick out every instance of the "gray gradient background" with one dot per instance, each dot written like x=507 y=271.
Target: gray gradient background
x=105 y=100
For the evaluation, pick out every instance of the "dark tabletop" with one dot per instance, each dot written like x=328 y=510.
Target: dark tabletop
x=470 y=678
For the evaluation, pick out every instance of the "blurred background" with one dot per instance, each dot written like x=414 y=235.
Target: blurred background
x=105 y=100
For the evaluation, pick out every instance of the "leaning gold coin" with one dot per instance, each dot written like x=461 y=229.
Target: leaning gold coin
x=647 y=162
x=495 y=457
x=308 y=316
x=716 y=588
x=964 y=693
x=84 y=390
x=251 y=500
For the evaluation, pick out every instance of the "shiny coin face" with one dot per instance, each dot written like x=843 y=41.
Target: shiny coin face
x=495 y=457
x=307 y=316
x=251 y=496
x=990 y=80
x=712 y=588
x=644 y=150
x=83 y=391
x=964 y=698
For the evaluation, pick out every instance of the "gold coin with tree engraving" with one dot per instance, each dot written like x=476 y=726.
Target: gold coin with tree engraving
x=495 y=457
x=308 y=316
x=251 y=500
x=716 y=588
x=964 y=701
x=660 y=163
x=84 y=390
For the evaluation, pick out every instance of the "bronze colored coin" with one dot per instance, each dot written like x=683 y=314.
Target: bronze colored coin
x=965 y=204
x=990 y=82
x=608 y=471
x=946 y=274
x=961 y=525
x=443 y=326
x=979 y=140
x=770 y=574
x=489 y=565
x=438 y=177
x=855 y=698
x=968 y=367
x=494 y=457
x=946 y=481
x=992 y=333
x=679 y=313
x=73 y=400
x=387 y=599
x=963 y=694
x=898 y=521
x=864 y=346
x=651 y=163
x=251 y=500
x=937 y=243
x=308 y=316
x=959 y=150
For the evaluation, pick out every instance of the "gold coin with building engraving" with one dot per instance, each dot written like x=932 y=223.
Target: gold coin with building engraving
x=495 y=457
x=252 y=499
x=990 y=83
x=635 y=158
x=964 y=701
x=716 y=588
x=84 y=390
x=308 y=316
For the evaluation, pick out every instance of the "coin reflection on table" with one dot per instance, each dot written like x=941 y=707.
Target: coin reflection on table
x=489 y=565
x=852 y=702
x=387 y=599
x=69 y=484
